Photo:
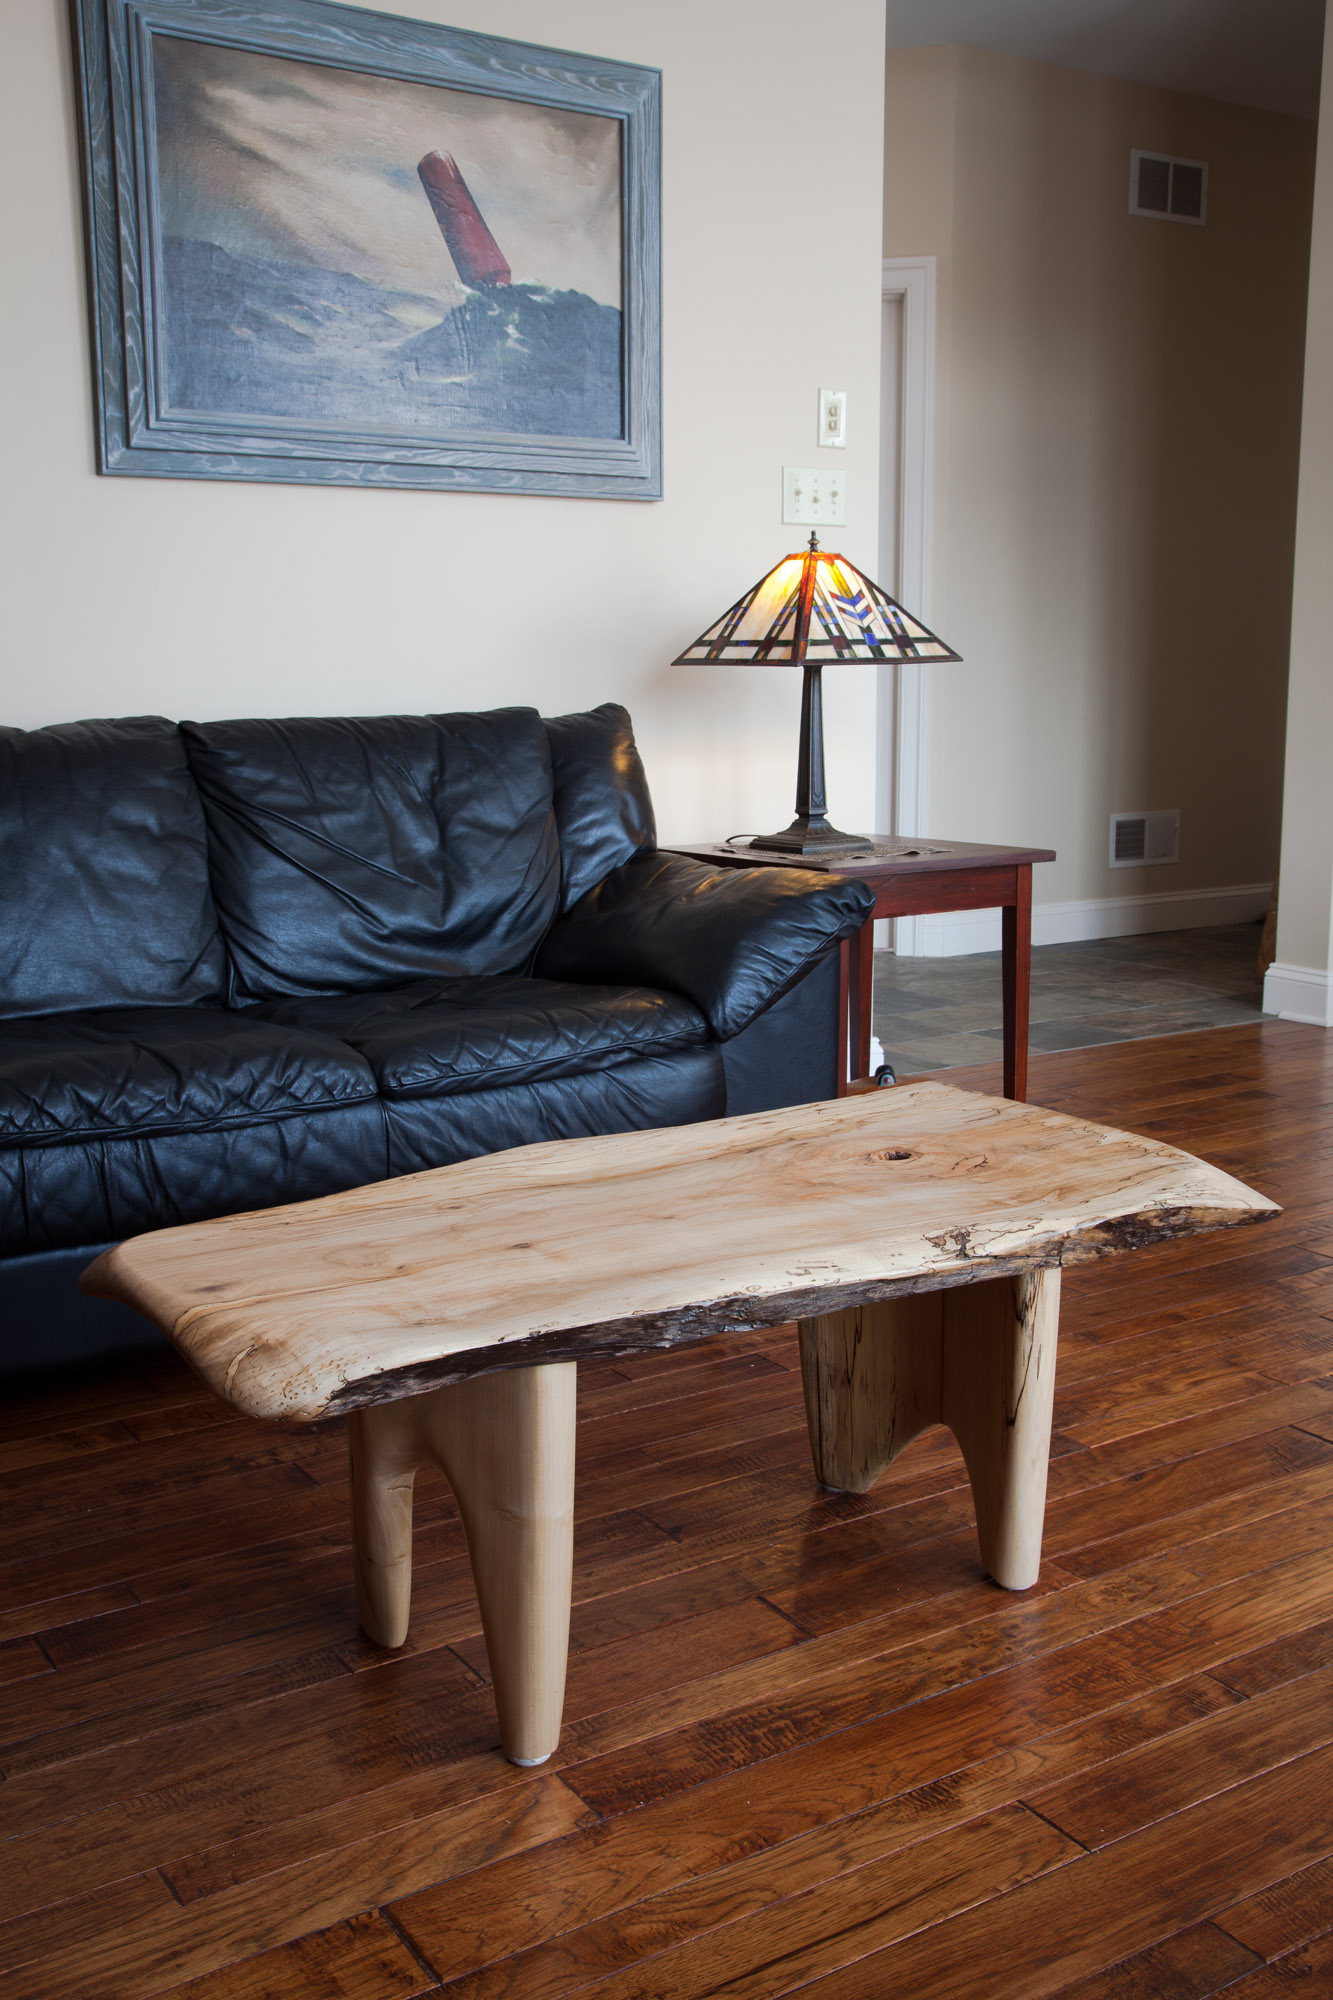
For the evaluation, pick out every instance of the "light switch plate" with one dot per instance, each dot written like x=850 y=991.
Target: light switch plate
x=833 y=417
x=813 y=497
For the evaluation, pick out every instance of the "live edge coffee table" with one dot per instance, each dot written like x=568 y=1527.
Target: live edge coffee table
x=917 y=1236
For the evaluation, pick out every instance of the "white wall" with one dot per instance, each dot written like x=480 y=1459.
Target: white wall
x=1299 y=985
x=202 y=598
x=1117 y=431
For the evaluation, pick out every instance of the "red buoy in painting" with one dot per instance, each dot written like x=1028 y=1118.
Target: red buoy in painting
x=474 y=250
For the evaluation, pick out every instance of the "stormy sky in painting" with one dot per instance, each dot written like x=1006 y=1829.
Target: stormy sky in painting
x=270 y=158
x=305 y=275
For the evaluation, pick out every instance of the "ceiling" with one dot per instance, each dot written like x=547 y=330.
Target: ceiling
x=1260 y=52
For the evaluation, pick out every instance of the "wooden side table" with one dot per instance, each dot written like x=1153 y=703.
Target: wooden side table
x=911 y=878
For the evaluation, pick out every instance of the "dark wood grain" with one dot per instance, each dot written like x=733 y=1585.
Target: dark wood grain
x=809 y=1746
x=1289 y=1914
x=363 y=1959
x=1192 y=1964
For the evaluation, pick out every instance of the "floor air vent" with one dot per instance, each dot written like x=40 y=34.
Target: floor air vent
x=1137 y=838
x=1171 y=190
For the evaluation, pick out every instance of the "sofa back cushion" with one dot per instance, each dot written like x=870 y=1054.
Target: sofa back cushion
x=603 y=811
x=104 y=895
x=349 y=854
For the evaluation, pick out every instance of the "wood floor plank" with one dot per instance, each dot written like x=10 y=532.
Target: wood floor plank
x=1163 y=1643
x=1288 y=1914
x=100 y=1690
x=960 y=1629
x=153 y=1954
x=1192 y=1965
x=906 y=1888
x=50 y=1614
x=1119 y=1409
x=1308 y=1971
x=362 y=1959
x=737 y=1828
x=20 y=1659
x=1139 y=1787
x=1284 y=1659
x=99 y=1816
x=121 y=1552
x=1129 y=1896
x=93 y=1735
x=1294 y=1478
x=82 y=1919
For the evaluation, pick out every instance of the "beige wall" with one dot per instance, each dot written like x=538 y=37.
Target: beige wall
x=206 y=598
x=1300 y=985
x=1118 y=414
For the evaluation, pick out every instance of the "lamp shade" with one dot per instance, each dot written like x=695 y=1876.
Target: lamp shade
x=815 y=607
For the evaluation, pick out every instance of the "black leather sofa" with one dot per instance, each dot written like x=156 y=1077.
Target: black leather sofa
x=251 y=962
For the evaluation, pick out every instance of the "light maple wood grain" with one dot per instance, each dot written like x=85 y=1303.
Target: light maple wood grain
x=648 y=1239
x=505 y=1443
x=979 y=1358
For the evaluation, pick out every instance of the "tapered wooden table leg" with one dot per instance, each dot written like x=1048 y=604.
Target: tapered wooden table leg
x=384 y=1456
x=996 y=1396
x=979 y=1358
x=505 y=1443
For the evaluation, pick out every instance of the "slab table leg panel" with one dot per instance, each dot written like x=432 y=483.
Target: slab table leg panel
x=979 y=1358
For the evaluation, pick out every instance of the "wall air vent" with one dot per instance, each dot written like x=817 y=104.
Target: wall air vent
x=1171 y=190
x=1137 y=838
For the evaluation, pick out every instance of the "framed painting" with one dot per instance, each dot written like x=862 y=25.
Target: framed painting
x=332 y=245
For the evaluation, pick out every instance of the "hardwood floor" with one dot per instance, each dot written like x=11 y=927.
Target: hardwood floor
x=807 y=1746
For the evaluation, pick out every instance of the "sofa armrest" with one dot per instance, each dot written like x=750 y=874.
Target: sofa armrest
x=732 y=940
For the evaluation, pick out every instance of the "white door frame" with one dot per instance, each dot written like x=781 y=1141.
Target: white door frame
x=904 y=749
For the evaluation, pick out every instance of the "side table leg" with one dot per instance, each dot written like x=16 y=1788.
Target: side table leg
x=979 y=1358
x=505 y=1443
x=861 y=977
x=1016 y=982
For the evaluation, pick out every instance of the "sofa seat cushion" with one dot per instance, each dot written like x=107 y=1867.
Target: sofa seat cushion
x=137 y=1072
x=443 y=1038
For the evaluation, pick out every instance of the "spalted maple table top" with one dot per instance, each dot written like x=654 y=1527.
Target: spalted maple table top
x=648 y=1240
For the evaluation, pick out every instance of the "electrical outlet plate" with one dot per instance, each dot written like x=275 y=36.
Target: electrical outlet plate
x=813 y=497
x=833 y=417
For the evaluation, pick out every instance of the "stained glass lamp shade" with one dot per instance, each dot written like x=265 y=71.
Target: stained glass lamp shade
x=813 y=608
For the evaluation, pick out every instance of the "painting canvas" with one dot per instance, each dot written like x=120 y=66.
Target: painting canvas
x=341 y=271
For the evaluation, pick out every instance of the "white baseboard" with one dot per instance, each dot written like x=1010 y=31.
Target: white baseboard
x=952 y=933
x=1299 y=993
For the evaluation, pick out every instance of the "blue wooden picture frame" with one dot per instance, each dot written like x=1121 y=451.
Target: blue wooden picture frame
x=280 y=289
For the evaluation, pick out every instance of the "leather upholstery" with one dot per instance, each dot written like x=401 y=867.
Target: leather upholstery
x=104 y=896
x=789 y=1053
x=152 y=1070
x=343 y=956
x=603 y=812
x=474 y=1034
x=628 y=1097
x=733 y=939
x=349 y=853
x=98 y=1190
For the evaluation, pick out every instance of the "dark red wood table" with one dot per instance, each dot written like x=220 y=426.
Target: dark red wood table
x=912 y=878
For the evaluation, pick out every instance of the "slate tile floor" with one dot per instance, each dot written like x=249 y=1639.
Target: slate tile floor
x=937 y=1013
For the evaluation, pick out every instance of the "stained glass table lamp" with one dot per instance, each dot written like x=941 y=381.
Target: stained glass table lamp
x=813 y=608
